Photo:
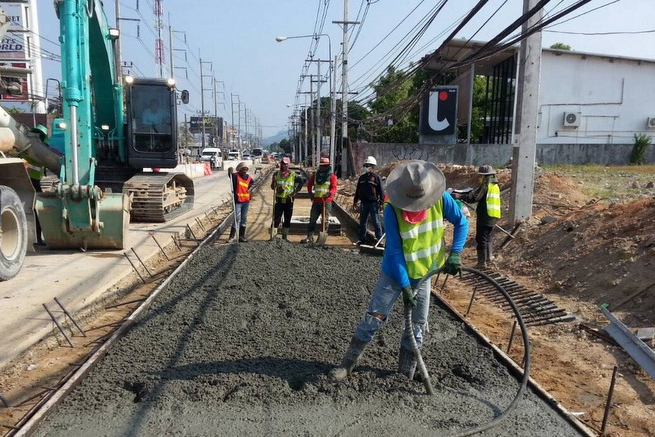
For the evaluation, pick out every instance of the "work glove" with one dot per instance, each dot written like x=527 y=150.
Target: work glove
x=279 y=190
x=409 y=297
x=453 y=264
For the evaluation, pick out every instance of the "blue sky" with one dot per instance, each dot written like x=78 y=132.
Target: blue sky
x=236 y=41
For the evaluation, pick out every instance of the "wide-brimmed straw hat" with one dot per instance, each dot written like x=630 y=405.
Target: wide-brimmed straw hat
x=415 y=185
x=486 y=170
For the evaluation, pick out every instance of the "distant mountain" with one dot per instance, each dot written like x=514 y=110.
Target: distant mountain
x=274 y=139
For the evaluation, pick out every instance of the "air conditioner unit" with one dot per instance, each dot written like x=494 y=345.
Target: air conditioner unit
x=650 y=123
x=572 y=119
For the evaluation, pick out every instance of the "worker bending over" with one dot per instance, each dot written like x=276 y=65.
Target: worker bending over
x=413 y=220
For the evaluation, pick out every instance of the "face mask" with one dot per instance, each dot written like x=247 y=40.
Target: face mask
x=367 y=169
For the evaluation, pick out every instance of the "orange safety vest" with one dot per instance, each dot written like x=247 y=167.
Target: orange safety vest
x=242 y=189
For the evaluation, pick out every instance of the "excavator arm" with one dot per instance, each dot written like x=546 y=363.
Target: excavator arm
x=77 y=213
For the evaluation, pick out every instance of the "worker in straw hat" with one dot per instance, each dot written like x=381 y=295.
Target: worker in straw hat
x=413 y=220
x=487 y=196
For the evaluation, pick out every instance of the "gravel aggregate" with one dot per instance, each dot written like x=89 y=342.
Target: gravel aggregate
x=242 y=341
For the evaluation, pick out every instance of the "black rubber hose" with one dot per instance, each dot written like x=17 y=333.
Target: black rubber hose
x=526 y=345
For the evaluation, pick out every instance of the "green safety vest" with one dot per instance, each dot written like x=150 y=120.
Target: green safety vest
x=286 y=183
x=493 y=200
x=34 y=170
x=423 y=243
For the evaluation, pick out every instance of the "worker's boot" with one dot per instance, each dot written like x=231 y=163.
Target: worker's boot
x=273 y=234
x=406 y=362
x=242 y=234
x=233 y=233
x=308 y=240
x=285 y=234
x=354 y=351
x=482 y=259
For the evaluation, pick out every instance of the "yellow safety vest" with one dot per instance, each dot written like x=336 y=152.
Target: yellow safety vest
x=423 y=245
x=493 y=200
x=286 y=183
x=322 y=190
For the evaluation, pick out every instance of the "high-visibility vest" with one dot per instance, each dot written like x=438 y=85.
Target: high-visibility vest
x=286 y=183
x=422 y=243
x=322 y=190
x=34 y=171
x=493 y=200
x=242 y=188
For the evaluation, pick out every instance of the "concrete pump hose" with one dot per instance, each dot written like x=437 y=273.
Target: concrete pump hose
x=524 y=336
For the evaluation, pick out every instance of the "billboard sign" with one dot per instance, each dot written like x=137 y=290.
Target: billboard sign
x=13 y=51
x=439 y=111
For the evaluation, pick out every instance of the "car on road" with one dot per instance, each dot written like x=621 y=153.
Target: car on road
x=233 y=155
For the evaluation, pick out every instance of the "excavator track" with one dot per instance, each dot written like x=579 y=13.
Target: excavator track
x=156 y=195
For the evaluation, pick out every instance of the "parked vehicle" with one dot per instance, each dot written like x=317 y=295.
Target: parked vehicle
x=233 y=155
x=213 y=156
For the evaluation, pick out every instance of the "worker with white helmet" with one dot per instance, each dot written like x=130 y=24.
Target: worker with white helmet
x=369 y=198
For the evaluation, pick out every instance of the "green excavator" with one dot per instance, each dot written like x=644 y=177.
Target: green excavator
x=109 y=150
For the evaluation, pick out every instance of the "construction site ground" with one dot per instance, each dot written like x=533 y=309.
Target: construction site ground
x=590 y=241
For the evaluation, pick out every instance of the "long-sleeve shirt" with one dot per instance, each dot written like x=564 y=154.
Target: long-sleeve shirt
x=234 y=180
x=393 y=261
x=331 y=193
x=369 y=189
x=479 y=195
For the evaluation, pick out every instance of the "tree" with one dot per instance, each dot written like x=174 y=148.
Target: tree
x=392 y=123
x=561 y=46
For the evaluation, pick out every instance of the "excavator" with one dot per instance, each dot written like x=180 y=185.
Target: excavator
x=113 y=128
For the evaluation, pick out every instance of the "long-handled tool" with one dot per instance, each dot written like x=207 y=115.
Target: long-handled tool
x=373 y=250
x=234 y=204
x=322 y=236
x=495 y=226
x=273 y=217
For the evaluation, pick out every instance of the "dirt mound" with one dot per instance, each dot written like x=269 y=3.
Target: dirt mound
x=599 y=254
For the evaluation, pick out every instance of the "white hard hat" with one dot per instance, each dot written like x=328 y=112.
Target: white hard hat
x=370 y=160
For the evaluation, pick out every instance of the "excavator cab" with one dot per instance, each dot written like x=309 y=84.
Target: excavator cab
x=151 y=139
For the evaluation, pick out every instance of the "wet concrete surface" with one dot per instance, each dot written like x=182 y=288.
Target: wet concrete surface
x=241 y=344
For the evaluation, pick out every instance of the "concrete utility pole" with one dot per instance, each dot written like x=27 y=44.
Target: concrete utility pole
x=345 y=146
x=525 y=141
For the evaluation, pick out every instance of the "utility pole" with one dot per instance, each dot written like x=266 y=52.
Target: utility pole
x=202 y=99
x=345 y=145
x=525 y=141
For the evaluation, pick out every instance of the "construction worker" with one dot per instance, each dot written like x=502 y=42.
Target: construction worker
x=241 y=184
x=322 y=186
x=487 y=196
x=36 y=172
x=413 y=219
x=369 y=197
x=286 y=184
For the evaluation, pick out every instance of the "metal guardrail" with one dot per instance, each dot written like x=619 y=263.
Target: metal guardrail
x=637 y=349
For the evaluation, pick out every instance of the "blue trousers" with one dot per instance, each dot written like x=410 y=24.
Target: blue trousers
x=385 y=294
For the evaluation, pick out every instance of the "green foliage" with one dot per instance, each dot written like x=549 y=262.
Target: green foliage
x=283 y=146
x=638 y=154
x=561 y=46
